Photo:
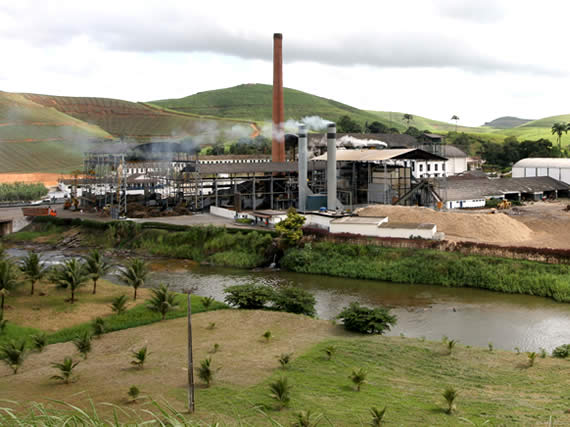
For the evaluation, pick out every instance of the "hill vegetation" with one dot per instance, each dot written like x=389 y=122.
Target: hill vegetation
x=254 y=102
x=506 y=122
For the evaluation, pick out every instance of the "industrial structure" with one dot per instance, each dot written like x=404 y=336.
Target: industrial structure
x=556 y=168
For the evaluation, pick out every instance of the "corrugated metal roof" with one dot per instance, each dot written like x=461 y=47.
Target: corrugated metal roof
x=543 y=162
x=207 y=169
x=380 y=155
x=459 y=188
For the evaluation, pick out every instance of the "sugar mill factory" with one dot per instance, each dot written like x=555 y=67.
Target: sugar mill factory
x=327 y=177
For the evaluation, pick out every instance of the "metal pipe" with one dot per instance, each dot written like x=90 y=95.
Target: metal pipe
x=303 y=190
x=331 y=167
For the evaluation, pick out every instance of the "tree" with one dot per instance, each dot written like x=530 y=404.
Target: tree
x=33 y=268
x=248 y=296
x=557 y=129
x=295 y=300
x=408 y=118
x=306 y=419
x=135 y=274
x=72 y=274
x=454 y=117
x=347 y=125
x=162 y=301
x=65 y=369
x=13 y=354
x=8 y=279
x=366 y=320
x=291 y=228
x=413 y=131
x=358 y=377
x=96 y=267
x=377 y=127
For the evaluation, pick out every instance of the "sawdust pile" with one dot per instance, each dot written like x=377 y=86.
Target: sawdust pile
x=498 y=228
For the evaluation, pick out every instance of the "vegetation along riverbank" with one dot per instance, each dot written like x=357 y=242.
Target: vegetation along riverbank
x=252 y=248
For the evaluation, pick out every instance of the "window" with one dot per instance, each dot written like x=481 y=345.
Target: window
x=428 y=167
x=421 y=167
x=435 y=167
x=443 y=166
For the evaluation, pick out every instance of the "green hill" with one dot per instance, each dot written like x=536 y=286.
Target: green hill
x=506 y=122
x=254 y=102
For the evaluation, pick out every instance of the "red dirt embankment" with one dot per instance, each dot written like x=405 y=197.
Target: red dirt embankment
x=48 y=179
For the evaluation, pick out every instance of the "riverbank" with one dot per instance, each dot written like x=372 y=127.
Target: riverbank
x=407 y=376
x=251 y=248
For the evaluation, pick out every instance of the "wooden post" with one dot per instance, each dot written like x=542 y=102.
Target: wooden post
x=191 y=398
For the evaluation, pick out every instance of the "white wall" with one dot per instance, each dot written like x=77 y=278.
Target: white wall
x=223 y=212
x=556 y=173
x=319 y=221
x=456 y=165
x=407 y=233
x=465 y=204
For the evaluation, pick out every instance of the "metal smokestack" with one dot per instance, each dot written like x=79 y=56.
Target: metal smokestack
x=331 y=167
x=303 y=167
x=278 y=137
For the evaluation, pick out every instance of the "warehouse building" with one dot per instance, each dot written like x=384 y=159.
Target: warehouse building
x=553 y=167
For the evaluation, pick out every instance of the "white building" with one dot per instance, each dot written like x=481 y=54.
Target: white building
x=553 y=167
x=381 y=227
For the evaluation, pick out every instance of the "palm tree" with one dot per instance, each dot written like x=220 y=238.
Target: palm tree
x=456 y=118
x=450 y=394
x=284 y=359
x=39 y=341
x=358 y=377
x=140 y=356
x=13 y=354
x=65 y=369
x=83 y=343
x=135 y=274
x=119 y=304
x=8 y=279
x=451 y=345
x=96 y=267
x=72 y=275
x=33 y=268
x=330 y=351
x=133 y=393
x=557 y=129
x=281 y=392
x=162 y=301
x=377 y=416
x=205 y=371
x=306 y=419
x=98 y=327
x=408 y=118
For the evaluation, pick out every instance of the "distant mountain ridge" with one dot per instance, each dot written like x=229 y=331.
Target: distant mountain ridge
x=507 y=122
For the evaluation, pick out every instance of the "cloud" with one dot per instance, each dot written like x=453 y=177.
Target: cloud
x=170 y=29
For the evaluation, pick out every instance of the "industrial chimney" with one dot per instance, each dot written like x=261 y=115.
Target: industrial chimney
x=331 y=167
x=278 y=137
x=303 y=167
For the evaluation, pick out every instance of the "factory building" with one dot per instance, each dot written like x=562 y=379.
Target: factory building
x=556 y=168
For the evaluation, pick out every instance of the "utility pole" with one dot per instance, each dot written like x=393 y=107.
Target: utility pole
x=191 y=401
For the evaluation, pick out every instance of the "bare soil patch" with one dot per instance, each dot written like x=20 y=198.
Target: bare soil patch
x=244 y=358
x=48 y=179
x=48 y=309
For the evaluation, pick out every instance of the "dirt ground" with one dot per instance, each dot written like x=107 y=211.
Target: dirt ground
x=244 y=358
x=48 y=309
x=536 y=224
x=48 y=179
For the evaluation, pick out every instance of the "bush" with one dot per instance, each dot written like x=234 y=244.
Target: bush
x=295 y=300
x=20 y=191
x=562 y=351
x=248 y=296
x=366 y=320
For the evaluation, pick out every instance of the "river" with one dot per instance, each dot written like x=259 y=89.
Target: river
x=473 y=316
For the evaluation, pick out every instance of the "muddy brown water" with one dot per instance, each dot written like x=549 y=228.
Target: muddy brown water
x=473 y=316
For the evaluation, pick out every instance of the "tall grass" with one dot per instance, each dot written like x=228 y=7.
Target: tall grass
x=432 y=267
x=20 y=191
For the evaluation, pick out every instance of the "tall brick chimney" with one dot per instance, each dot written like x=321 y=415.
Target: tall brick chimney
x=278 y=137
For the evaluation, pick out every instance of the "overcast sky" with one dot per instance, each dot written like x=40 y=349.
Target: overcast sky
x=478 y=59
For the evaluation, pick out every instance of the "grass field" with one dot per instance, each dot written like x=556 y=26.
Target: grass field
x=407 y=376
x=254 y=102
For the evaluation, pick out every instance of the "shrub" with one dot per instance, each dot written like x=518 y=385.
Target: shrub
x=207 y=302
x=531 y=355
x=358 y=377
x=306 y=419
x=330 y=351
x=133 y=393
x=284 y=359
x=267 y=335
x=450 y=394
x=65 y=369
x=119 y=304
x=366 y=320
x=377 y=416
x=295 y=300
x=140 y=356
x=562 y=351
x=451 y=345
x=98 y=326
x=39 y=341
x=280 y=390
x=248 y=296
x=13 y=354
x=83 y=343
x=205 y=371
x=291 y=228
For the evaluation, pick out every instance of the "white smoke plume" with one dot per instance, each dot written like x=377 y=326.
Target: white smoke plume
x=315 y=123
x=348 y=141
